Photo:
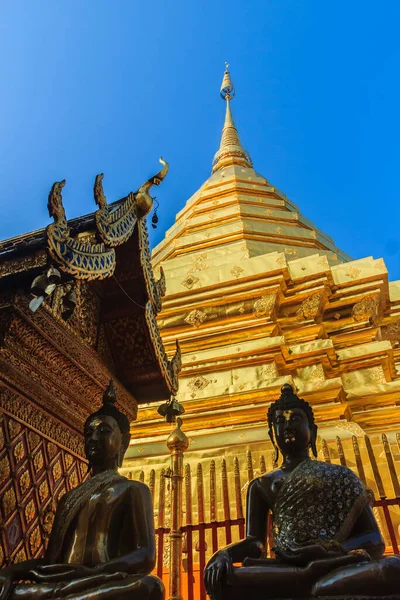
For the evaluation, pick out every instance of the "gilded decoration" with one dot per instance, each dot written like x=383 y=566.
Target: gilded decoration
x=33 y=440
x=281 y=260
x=263 y=306
x=24 y=482
x=48 y=520
x=20 y=556
x=86 y=313
x=50 y=361
x=44 y=490
x=366 y=309
x=196 y=317
x=236 y=271
x=200 y=263
x=128 y=334
x=364 y=377
x=392 y=332
x=312 y=307
x=9 y=502
x=27 y=504
x=73 y=479
x=353 y=272
x=51 y=449
x=270 y=371
x=56 y=471
x=80 y=259
x=349 y=426
x=19 y=452
x=26 y=263
x=35 y=541
x=38 y=461
x=190 y=281
x=40 y=421
x=4 y=469
x=14 y=427
x=197 y=384
x=317 y=373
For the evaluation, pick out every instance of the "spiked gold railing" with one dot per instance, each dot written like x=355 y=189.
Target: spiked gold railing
x=214 y=513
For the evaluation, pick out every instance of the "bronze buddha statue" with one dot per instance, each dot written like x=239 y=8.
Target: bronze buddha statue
x=327 y=543
x=102 y=544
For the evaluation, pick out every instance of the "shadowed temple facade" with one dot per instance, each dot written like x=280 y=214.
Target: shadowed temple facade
x=78 y=305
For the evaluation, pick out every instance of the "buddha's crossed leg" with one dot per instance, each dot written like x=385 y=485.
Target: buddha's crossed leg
x=116 y=586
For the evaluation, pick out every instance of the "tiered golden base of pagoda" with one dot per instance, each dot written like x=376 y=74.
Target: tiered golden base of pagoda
x=247 y=324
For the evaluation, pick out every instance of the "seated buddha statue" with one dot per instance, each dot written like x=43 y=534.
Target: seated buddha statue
x=102 y=543
x=326 y=542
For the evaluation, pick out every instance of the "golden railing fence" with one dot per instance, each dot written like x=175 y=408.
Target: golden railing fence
x=214 y=499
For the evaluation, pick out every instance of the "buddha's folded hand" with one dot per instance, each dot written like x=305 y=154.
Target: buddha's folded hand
x=56 y=573
x=302 y=556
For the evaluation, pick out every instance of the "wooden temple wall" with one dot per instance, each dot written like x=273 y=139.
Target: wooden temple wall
x=214 y=498
x=39 y=461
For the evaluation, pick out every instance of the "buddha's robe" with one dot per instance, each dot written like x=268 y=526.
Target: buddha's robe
x=317 y=503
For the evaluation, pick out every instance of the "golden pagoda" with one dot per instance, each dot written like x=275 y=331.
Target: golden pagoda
x=258 y=296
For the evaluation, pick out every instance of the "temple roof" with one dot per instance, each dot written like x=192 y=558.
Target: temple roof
x=92 y=277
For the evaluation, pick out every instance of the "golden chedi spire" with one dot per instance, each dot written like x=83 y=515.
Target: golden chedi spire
x=231 y=151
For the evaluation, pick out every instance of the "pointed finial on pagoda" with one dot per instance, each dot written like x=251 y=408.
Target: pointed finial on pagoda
x=231 y=151
x=227 y=90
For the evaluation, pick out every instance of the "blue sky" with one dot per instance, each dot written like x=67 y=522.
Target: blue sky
x=109 y=86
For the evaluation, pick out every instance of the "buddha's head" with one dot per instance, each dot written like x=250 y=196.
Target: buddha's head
x=291 y=425
x=106 y=434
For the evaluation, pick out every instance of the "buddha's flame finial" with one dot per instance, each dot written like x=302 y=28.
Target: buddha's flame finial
x=231 y=151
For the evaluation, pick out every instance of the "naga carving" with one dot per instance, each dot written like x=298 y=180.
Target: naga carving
x=115 y=225
x=80 y=259
x=144 y=201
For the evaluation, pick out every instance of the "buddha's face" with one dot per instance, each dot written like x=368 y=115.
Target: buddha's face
x=103 y=440
x=292 y=430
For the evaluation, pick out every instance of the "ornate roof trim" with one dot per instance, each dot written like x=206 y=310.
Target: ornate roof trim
x=169 y=368
x=114 y=226
x=155 y=289
x=80 y=259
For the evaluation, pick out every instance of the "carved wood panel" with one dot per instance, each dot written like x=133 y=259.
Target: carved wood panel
x=35 y=471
